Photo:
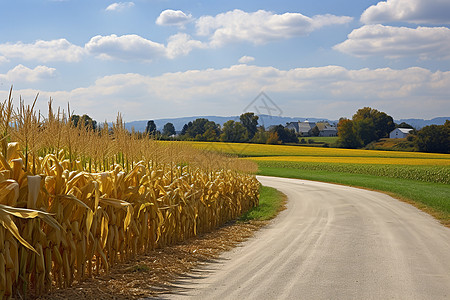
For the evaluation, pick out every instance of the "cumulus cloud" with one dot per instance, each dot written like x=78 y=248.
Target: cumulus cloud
x=329 y=91
x=261 y=27
x=246 y=59
x=413 y=11
x=171 y=17
x=23 y=74
x=125 y=47
x=394 y=42
x=135 y=47
x=181 y=44
x=119 y=6
x=43 y=51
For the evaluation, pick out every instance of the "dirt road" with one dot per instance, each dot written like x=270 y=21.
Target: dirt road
x=332 y=242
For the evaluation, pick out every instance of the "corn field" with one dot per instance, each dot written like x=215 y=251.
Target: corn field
x=74 y=201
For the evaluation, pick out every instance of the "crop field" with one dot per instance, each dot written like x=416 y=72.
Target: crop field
x=359 y=160
x=254 y=150
x=422 y=179
x=74 y=201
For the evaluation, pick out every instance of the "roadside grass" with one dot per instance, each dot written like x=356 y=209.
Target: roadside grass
x=271 y=202
x=433 y=198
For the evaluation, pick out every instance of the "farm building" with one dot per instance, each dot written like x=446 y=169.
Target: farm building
x=305 y=128
x=399 y=133
x=301 y=128
x=326 y=129
x=293 y=126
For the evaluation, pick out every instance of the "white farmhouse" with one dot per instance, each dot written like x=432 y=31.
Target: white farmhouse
x=399 y=133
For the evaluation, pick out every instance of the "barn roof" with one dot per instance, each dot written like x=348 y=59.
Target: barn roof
x=405 y=130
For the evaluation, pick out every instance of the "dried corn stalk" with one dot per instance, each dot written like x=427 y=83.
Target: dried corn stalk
x=76 y=201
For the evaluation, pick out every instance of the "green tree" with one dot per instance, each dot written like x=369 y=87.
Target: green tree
x=261 y=136
x=403 y=125
x=285 y=135
x=273 y=138
x=151 y=128
x=203 y=130
x=234 y=132
x=250 y=122
x=315 y=131
x=384 y=124
x=371 y=124
x=87 y=121
x=365 y=130
x=168 y=129
x=185 y=128
x=434 y=138
x=346 y=134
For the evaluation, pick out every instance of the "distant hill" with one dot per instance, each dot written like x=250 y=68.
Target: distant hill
x=265 y=120
x=420 y=123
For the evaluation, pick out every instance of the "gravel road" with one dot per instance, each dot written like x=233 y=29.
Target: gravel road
x=332 y=242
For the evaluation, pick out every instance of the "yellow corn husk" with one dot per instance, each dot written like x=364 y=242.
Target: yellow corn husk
x=57 y=256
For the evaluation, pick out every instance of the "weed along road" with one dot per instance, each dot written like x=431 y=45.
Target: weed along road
x=332 y=242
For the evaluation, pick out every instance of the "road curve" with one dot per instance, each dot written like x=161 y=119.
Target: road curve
x=332 y=242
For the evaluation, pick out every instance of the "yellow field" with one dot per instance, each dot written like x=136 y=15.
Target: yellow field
x=256 y=150
x=357 y=160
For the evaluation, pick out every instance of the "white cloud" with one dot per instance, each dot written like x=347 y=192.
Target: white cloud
x=43 y=51
x=119 y=6
x=23 y=74
x=393 y=42
x=246 y=59
x=261 y=27
x=413 y=11
x=125 y=47
x=330 y=91
x=135 y=47
x=181 y=44
x=173 y=17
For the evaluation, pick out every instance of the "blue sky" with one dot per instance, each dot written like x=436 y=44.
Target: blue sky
x=151 y=59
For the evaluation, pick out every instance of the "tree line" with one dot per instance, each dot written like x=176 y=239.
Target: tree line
x=246 y=130
x=366 y=126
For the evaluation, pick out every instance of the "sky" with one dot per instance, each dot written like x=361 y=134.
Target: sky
x=152 y=59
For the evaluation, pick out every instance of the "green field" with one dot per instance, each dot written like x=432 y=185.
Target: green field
x=422 y=179
x=331 y=140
